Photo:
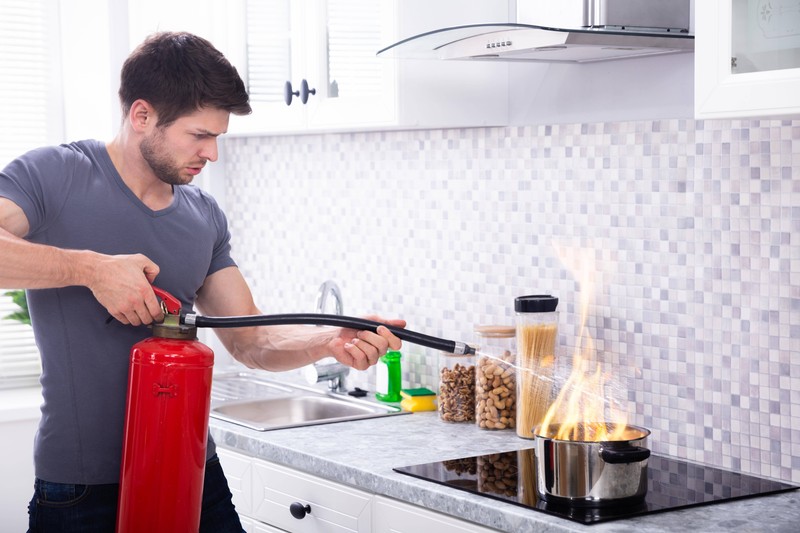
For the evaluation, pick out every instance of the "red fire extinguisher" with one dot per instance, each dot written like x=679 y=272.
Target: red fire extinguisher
x=166 y=427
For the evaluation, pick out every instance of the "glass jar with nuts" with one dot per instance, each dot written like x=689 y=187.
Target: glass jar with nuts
x=495 y=377
x=456 y=387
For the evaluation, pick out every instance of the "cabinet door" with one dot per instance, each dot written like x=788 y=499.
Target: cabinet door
x=353 y=86
x=747 y=58
x=274 y=53
x=392 y=516
x=239 y=473
x=332 y=507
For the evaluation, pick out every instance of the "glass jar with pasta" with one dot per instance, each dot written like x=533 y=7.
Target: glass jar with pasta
x=537 y=333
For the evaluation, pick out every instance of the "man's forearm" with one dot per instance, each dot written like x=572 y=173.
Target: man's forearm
x=28 y=265
x=278 y=348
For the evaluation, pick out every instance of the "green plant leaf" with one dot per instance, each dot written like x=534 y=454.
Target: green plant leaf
x=19 y=298
x=20 y=316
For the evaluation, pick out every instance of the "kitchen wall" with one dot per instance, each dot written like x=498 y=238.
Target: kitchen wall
x=692 y=230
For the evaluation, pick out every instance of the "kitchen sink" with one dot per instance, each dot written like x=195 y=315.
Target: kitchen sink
x=262 y=404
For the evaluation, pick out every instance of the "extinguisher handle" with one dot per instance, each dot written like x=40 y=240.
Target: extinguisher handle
x=171 y=304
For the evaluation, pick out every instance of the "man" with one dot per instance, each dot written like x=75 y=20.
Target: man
x=88 y=227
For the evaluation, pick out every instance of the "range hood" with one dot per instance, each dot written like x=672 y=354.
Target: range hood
x=576 y=31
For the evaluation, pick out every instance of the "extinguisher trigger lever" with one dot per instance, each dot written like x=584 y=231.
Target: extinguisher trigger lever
x=169 y=304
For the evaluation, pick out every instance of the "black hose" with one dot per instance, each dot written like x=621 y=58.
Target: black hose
x=326 y=320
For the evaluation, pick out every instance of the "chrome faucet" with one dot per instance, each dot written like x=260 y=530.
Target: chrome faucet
x=328 y=368
x=329 y=287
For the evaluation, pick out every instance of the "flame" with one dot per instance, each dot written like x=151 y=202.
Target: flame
x=582 y=411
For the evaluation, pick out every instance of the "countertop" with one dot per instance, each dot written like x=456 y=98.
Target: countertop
x=362 y=453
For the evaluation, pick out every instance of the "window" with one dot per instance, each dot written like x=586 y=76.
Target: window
x=19 y=358
x=31 y=111
x=30 y=84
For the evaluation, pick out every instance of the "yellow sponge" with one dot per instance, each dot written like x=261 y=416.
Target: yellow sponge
x=419 y=399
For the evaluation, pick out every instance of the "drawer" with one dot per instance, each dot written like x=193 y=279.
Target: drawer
x=392 y=516
x=334 y=508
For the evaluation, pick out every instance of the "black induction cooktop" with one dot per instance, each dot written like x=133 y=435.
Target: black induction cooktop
x=672 y=484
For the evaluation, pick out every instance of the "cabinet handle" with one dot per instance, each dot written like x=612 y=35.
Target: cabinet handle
x=305 y=91
x=299 y=510
x=288 y=93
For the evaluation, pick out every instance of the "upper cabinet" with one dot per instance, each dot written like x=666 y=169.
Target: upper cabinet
x=747 y=58
x=320 y=56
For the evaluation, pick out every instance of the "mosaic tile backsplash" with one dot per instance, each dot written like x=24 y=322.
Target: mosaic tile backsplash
x=691 y=230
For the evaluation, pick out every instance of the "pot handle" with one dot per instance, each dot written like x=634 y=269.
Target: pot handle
x=629 y=454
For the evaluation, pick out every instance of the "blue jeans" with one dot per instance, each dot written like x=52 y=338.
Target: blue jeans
x=67 y=508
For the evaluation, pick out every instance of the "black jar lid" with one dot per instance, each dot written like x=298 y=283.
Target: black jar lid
x=535 y=303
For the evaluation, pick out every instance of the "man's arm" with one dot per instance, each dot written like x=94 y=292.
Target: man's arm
x=120 y=283
x=277 y=348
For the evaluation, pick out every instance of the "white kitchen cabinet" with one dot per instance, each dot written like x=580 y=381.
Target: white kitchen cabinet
x=330 y=507
x=392 y=516
x=747 y=58
x=264 y=493
x=332 y=45
x=239 y=473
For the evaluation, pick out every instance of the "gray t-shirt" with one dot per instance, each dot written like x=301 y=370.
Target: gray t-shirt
x=74 y=198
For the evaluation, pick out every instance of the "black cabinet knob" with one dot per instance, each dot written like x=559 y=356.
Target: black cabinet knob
x=288 y=93
x=305 y=91
x=299 y=510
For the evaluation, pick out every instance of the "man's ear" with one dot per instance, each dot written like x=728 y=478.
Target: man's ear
x=142 y=116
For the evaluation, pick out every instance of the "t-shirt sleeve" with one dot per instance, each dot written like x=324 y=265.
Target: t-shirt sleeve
x=221 y=255
x=38 y=182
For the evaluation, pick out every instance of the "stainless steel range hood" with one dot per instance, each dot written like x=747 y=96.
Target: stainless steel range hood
x=575 y=31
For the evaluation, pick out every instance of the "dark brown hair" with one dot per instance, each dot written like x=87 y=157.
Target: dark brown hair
x=178 y=73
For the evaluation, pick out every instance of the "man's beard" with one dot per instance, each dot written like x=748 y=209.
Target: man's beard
x=155 y=154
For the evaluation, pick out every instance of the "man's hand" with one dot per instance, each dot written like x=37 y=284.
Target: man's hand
x=361 y=349
x=122 y=285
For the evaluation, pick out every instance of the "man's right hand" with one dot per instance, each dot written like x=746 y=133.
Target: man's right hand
x=122 y=284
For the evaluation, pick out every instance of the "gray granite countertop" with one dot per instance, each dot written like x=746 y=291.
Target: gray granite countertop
x=362 y=453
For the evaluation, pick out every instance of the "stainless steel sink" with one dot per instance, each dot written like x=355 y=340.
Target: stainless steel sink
x=263 y=404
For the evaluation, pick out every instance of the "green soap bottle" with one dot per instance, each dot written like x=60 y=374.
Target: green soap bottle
x=389 y=378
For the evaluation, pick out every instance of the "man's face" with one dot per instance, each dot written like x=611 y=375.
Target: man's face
x=177 y=153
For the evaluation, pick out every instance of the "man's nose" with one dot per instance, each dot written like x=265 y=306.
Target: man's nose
x=209 y=150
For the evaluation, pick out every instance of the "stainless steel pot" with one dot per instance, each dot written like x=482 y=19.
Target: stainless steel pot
x=592 y=474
